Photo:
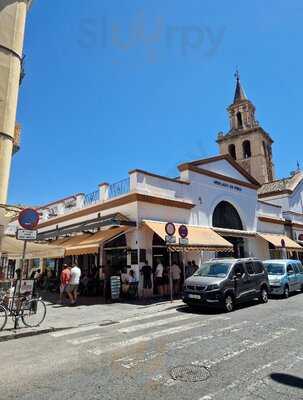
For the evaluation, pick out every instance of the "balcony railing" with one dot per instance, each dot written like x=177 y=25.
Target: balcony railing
x=119 y=188
x=91 y=198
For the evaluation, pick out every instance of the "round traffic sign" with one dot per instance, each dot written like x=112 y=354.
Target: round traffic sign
x=170 y=229
x=28 y=218
x=183 y=231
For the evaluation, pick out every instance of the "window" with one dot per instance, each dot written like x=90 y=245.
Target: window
x=246 y=149
x=290 y=270
x=300 y=267
x=216 y=269
x=275 y=269
x=258 y=267
x=295 y=266
x=250 y=268
x=238 y=269
x=232 y=151
x=239 y=120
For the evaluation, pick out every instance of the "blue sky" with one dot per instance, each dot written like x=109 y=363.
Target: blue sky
x=114 y=85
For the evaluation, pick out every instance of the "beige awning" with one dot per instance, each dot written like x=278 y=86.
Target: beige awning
x=91 y=244
x=199 y=237
x=13 y=249
x=276 y=240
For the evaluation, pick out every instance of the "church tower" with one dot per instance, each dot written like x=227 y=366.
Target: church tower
x=246 y=142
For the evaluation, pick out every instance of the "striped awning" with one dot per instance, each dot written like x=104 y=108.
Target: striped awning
x=199 y=238
x=13 y=249
x=91 y=243
x=277 y=240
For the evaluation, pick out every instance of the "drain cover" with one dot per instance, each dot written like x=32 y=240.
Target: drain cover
x=190 y=373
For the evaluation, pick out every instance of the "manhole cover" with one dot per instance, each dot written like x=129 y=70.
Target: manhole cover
x=190 y=373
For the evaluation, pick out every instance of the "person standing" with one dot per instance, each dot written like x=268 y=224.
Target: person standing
x=176 y=276
x=195 y=266
x=64 y=281
x=146 y=271
x=189 y=270
x=159 y=277
x=72 y=288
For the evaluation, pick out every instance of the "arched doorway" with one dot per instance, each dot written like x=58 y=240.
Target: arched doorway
x=226 y=216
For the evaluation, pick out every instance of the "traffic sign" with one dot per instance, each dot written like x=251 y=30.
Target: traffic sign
x=28 y=218
x=183 y=241
x=170 y=229
x=26 y=234
x=183 y=231
x=170 y=239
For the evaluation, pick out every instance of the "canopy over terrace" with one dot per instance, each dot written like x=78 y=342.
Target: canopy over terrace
x=199 y=238
x=90 y=243
x=13 y=249
x=277 y=240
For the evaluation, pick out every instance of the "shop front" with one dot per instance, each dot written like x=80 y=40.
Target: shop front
x=200 y=244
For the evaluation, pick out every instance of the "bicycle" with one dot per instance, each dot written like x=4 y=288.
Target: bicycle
x=32 y=311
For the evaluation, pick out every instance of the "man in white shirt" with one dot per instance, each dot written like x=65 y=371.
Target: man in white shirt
x=159 y=278
x=72 y=289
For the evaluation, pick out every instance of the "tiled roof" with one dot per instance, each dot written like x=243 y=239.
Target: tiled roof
x=289 y=183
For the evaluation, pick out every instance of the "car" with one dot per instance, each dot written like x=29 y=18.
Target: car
x=227 y=282
x=285 y=276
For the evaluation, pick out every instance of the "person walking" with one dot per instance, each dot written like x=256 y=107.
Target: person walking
x=72 y=288
x=64 y=281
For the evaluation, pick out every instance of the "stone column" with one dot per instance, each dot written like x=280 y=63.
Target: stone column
x=12 y=25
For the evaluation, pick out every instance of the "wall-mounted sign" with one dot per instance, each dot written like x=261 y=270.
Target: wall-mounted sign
x=228 y=186
x=183 y=231
x=25 y=234
x=170 y=229
x=28 y=218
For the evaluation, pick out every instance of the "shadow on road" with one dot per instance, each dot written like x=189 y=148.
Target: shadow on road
x=288 y=380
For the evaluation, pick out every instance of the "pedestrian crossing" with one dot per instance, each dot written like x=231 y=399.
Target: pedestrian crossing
x=177 y=331
x=148 y=344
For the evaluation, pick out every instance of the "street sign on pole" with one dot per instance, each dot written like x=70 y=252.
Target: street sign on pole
x=25 y=234
x=170 y=229
x=29 y=218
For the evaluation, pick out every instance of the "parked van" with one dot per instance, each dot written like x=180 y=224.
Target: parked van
x=285 y=276
x=226 y=282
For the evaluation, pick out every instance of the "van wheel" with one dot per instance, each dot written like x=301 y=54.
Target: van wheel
x=286 y=292
x=264 y=295
x=228 y=303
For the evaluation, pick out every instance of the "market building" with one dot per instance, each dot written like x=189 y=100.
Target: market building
x=219 y=199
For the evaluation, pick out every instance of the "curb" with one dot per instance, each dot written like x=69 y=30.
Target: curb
x=16 y=335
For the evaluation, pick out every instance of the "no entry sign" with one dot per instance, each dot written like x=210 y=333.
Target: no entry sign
x=28 y=218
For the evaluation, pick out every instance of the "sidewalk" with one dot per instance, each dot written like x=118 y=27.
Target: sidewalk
x=90 y=310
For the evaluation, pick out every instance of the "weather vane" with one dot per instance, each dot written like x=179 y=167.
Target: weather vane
x=237 y=75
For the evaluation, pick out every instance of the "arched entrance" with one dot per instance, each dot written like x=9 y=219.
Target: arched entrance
x=226 y=216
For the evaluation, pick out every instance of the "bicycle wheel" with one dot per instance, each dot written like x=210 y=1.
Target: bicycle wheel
x=3 y=317
x=33 y=313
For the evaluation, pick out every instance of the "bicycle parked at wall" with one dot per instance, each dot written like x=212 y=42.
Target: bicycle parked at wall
x=31 y=310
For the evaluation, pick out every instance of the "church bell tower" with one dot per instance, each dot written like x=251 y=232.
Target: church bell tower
x=246 y=142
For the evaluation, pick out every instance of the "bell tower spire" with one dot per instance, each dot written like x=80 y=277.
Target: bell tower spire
x=246 y=141
x=239 y=92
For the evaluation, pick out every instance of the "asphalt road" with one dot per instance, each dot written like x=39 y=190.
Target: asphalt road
x=253 y=353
